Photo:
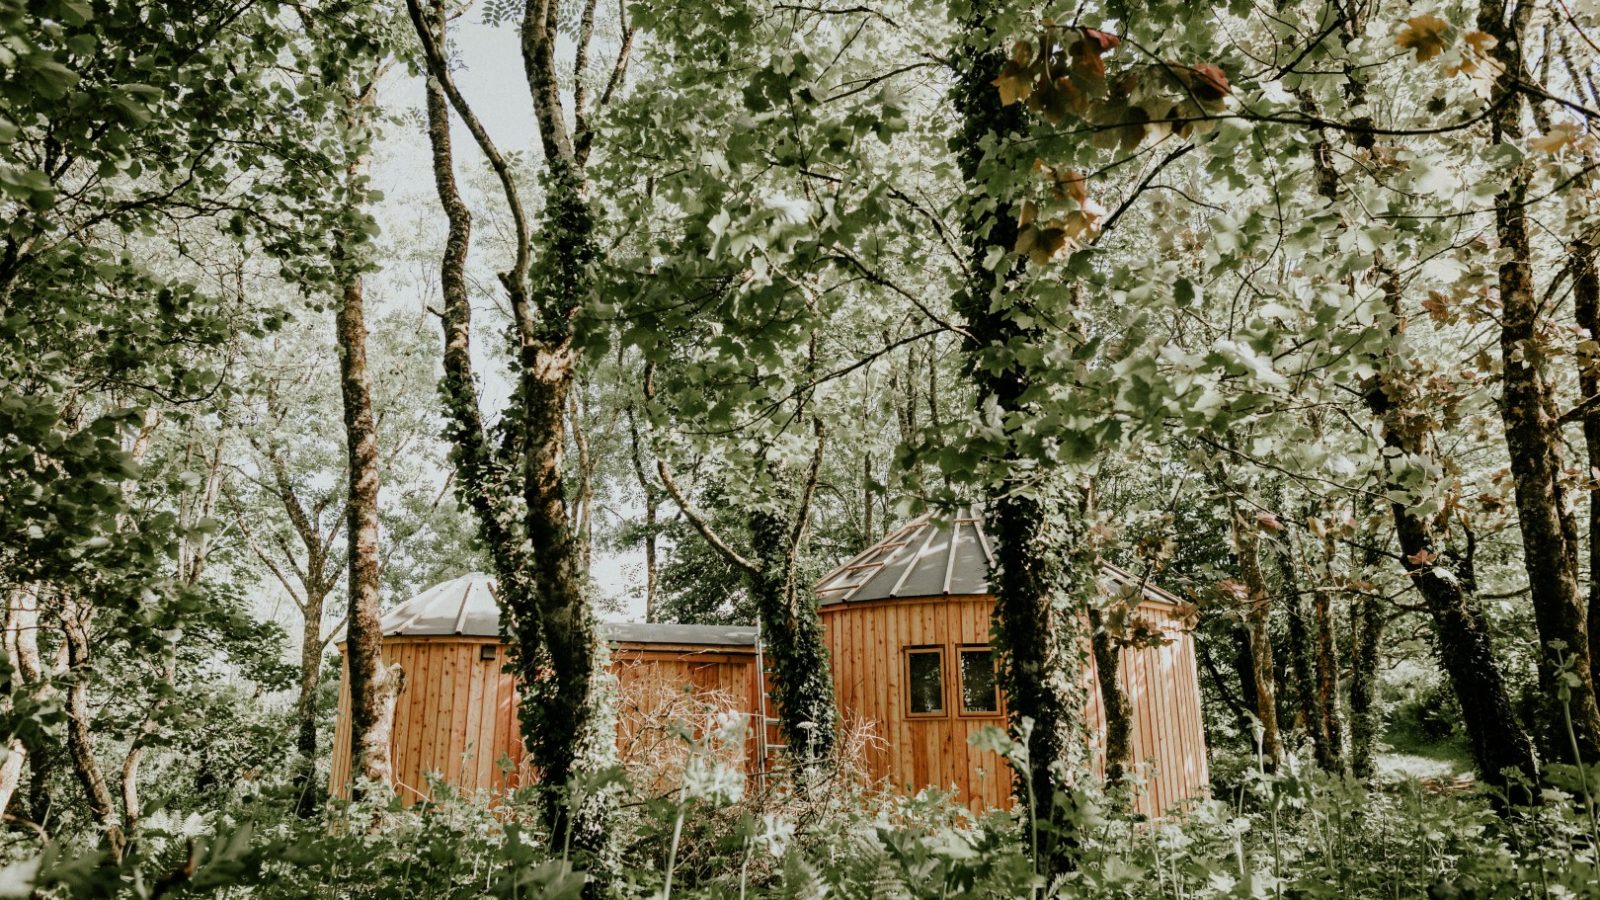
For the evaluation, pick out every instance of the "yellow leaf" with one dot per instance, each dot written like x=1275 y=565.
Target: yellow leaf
x=1015 y=82
x=1560 y=136
x=1050 y=242
x=1425 y=35
x=1437 y=306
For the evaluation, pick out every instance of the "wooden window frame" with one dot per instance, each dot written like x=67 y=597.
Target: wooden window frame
x=944 y=680
x=999 y=710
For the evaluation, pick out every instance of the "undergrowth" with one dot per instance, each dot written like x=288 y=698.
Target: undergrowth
x=828 y=831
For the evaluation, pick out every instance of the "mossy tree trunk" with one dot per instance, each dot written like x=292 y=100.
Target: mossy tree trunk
x=1495 y=736
x=1550 y=543
x=373 y=686
x=1042 y=574
x=514 y=481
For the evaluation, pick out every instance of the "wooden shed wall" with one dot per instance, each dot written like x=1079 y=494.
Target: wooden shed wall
x=457 y=713
x=867 y=643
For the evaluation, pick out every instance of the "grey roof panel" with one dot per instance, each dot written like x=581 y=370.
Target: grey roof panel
x=657 y=633
x=469 y=606
x=928 y=557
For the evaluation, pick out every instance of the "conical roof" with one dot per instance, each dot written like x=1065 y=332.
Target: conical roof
x=469 y=606
x=931 y=558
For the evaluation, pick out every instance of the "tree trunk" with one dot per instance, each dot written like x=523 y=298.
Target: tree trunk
x=802 y=686
x=566 y=723
x=1232 y=699
x=1258 y=615
x=20 y=613
x=564 y=720
x=1496 y=738
x=372 y=685
x=1300 y=666
x=584 y=512
x=801 y=670
x=1366 y=627
x=308 y=791
x=1113 y=699
x=1586 y=308
x=1533 y=438
x=1038 y=614
x=652 y=506
x=41 y=754
x=80 y=731
x=866 y=499
x=1329 y=723
x=1244 y=668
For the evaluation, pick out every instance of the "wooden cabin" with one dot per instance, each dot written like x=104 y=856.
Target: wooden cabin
x=907 y=626
x=456 y=714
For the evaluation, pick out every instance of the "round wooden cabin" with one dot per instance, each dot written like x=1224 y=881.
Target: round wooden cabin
x=908 y=624
x=456 y=714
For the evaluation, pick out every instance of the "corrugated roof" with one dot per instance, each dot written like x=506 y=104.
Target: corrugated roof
x=661 y=633
x=929 y=558
x=470 y=607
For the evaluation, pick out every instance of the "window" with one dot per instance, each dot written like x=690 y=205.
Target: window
x=980 y=683
x=925 y=680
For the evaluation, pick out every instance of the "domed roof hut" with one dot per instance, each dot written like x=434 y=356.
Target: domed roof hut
x=908 y=623
x=456 y=714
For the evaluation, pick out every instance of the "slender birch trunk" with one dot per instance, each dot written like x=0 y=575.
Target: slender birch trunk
x=373 y=686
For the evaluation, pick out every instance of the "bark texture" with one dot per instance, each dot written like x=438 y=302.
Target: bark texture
x=1329 y=725
x=1366 y=641
x=801 y=669
x=1113 y=699
x=1258 y=617
x=80 y=729
x=1497 y=740
x=650 y=497
x=373 y=686
x=1550 y=544
x=515 y=484
x=1039 y=635
x=1302 y=677
x=1586 y=309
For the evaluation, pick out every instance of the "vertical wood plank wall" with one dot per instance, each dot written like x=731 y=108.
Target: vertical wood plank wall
x=457 y=713
x=867 y=641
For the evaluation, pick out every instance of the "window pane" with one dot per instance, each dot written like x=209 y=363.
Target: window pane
x=927 y=681
x=980 y=688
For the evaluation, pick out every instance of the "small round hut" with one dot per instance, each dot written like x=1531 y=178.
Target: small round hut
x=456 y=714
x=908 y=624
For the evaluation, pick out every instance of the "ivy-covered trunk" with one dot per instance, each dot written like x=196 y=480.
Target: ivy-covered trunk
x=514 y=482
x=547 y=615
x=1039 y=629
x=801 y=670
x=1366 y=641
x=1550 y=544
x=1258 y=618
x=1301 y=676
x=1113 y=698
x=308 y=793
x=1329 y=726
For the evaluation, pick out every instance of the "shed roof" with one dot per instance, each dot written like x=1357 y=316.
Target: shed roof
x=929 y=557
x=470 y=607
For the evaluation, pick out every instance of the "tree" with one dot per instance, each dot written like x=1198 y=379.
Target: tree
x=515 y=485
